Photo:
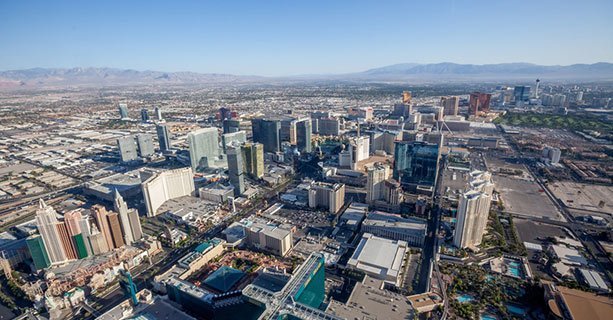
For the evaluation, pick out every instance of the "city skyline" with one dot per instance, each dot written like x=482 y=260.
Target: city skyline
x=291 y=39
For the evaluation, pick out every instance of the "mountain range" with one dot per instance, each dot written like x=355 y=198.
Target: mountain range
x=446 y=71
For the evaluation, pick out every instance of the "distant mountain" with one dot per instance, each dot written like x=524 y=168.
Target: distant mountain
x=446 y=71
x=57 y=77
x=513 y=70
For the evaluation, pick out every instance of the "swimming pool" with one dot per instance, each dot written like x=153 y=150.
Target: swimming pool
x=464 y=298
x=515 y=309
x=487 y=316
x=514 y=268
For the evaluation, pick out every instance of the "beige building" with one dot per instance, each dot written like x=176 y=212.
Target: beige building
x=327 y=195
x=270 y=238
x=375 y=181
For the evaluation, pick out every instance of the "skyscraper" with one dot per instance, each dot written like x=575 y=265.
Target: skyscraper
x=406 y=97
x=37 y=249
x=303 y=135
x=121 y=207
x=203 y=148
x=163 y=137
x=137 y=230
x=479 y=102
x=231 y=125
x=268 y=133
x=235 y=170
x=97 y=241
x=67 y=241
x=521 y=94
x=225 y=113
x=144 y=115
x=75 y=223
x=375 y=181
x=233 y=139
x=254 y=159
x=47 y=223
x=473 y=210
x=327 y=195
x=100 y=214
x=450 y=105
x=158 y=114
x=127 y=148
x=416 y=163
x=329 y=126
x=144 y=142
x=123 y=111
x=115 y=227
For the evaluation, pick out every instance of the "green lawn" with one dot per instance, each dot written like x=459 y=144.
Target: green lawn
x=554 y=121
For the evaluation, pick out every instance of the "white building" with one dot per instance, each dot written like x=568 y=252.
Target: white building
x=327 y=195
x=160 y=186
x=380 y=258
x=473 y=211
x=375 y=181
x=203 y=147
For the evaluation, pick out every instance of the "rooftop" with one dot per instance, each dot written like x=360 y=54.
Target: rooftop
x=379 y=256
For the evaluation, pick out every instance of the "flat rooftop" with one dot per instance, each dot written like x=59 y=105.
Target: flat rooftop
x=369 y=301
x=379 y=256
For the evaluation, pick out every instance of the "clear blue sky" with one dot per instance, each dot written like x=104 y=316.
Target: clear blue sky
x=300 y=37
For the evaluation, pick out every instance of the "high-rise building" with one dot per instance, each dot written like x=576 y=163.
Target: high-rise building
x=377 y=174
x=121 y=207
x=163 y=137
x=158 y=114
x=97 y=241
x=450 y=105
x=144 y=115
x=473 y=210
x=67 y=241
x=288 y=130
x=37 y=249
x=402 y=110
x=160 y=186
x=329 y=126
x=115 y=227
x=479 y=102
x=303 y=135
x=137 y=230
x=552 y=154
x=77 y=229
x=236 y=170
x=47 y=223
x=268 y=133
x=203 y=148
x=327 y=195
x=416 y=163
x=231 y=125
x=406 y=97
x=254 y=159
x=144 y=142
x=127 y=148
x=521 y=94
x=233 y=139
x=225 y=113
x=123 y=111
x=100 y=215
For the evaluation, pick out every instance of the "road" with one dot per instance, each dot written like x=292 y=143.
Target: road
x=430 y=247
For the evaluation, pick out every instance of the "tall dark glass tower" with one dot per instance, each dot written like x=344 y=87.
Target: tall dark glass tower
x=268 y=133
x=303 y=135
x=416 y=163
x=163 y=137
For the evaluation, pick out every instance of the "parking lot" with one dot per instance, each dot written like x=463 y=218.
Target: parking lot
x=585 y=197
x=524 y=197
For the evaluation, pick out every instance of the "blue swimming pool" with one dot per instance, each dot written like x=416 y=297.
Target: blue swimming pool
x=487 y=316
x=515 y=269
x=515 y=309
x=464 y=298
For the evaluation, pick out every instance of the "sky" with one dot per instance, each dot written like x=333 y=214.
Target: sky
x=291 y=37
